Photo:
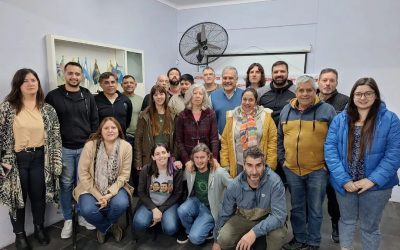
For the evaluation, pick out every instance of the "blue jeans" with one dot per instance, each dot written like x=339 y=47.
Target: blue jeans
x=197 y=220
x=366 y=207
x=144 y=218
x=70 y=159
x=104 y=218
x=307 y=195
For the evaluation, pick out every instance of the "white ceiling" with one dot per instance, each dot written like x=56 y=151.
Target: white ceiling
x=190 y=4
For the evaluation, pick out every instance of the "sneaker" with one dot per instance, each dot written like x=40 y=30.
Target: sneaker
x=295 y=245
x=101 y=238
x=210 y=236
x=313 y=247
x=335 y=232
x=82 y=222
x=66 y=231
x=182 y=237
x=116 y=232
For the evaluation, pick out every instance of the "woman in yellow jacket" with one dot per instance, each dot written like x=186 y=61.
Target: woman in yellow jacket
x=248 y=125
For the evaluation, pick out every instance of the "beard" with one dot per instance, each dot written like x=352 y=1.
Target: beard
x=280 y=81
x=173 y=82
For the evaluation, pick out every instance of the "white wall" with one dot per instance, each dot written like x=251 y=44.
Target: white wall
x=357 y=37
x=140 y=24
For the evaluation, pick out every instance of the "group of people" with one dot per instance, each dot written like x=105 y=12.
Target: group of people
x=207 y=161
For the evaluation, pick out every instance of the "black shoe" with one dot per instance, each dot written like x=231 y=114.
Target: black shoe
x=101 y=238
x=295 y=245
x=21 y=242
x=335 y=232
x=40 y=235
x=117 y=232
x=313 y=247
x=182 y=237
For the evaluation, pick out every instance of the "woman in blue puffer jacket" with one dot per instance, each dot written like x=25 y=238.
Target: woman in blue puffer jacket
x=362 y=151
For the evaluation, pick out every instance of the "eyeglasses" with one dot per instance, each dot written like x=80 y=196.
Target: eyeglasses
x=368 y=94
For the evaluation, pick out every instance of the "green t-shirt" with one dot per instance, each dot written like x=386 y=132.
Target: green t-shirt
x=201 y=186
x=160 y=138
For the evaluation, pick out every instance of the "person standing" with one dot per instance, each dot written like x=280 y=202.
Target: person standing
x=209 y=80
x=247 y=126
x=327 y=83
x=362 y=153
x=255 y=76
x=77 y=113
x=302 y=130
x=30 y=146
x=226 y=98
x=110 y=102
x=196 y=124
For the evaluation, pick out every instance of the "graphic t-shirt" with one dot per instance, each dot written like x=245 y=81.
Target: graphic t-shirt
x=201 y=186
x=161 y=188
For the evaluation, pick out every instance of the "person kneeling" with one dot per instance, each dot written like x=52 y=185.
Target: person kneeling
x=104 y=169
x=159 y=190
x=206 y=185
x=254 y=206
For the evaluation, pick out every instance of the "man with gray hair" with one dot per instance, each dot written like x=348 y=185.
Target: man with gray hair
x=227 y=98
x=302 y=130
x=209 y=80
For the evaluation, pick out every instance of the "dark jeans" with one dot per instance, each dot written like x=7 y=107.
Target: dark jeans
x=134 y=178
x=31 y=174
x=333 y=206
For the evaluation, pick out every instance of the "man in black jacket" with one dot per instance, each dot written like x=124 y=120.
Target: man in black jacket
x=276 y=95
x=110 y=102
x=327 y=83
x=279 y=92
x=77 y=113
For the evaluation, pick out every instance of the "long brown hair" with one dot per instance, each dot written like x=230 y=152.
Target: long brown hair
x=155 y=123
x=201 y=147
x=15 y=95
x=97 y=135
x=261 y=83
x=368 y=129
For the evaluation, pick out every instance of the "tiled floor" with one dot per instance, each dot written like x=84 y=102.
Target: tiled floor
x=390 y=228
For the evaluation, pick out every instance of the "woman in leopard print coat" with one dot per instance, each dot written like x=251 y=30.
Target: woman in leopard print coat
x=18 y=113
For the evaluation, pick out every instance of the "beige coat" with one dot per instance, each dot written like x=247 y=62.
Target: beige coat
x=86 y=182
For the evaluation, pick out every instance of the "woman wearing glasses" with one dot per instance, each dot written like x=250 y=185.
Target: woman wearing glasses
x=361 y=151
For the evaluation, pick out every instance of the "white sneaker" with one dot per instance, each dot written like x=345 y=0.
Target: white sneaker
x=82 y=222
x=66 y=232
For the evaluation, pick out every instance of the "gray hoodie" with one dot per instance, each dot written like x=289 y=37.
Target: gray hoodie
x=267 y=200
x=218 y=180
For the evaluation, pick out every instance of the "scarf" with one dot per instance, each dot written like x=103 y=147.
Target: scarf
x=106 y=167
x=247 y=129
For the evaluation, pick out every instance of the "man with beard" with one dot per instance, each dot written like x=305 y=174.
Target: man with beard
x=279 y=92
x=276 y=95
x=327 y=83
x=253 y=211
x=174 y=76
x=77 y=112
